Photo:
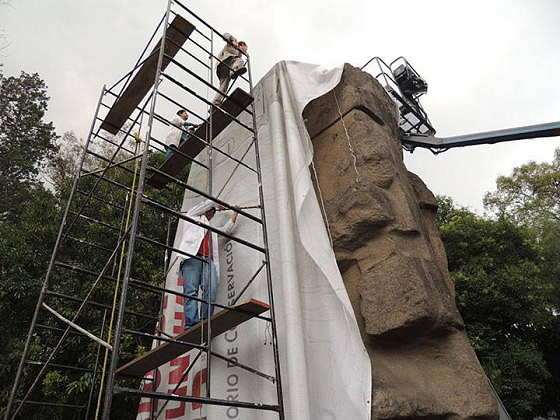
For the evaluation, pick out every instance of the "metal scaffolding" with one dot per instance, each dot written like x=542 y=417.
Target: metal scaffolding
x=123 y=169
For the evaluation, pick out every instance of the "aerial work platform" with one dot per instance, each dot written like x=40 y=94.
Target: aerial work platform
x=221 y=118
x=177 y=33
x=441 y=144
x=223 y=321
x=405 y=86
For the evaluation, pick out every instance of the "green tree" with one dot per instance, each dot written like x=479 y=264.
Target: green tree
x=531 y=194
x=506 y=303
x=27 y=209
x=29 y=222
x=26 y=140
x=531 y=197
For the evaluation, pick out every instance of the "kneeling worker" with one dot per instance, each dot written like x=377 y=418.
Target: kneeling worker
x=198 y=274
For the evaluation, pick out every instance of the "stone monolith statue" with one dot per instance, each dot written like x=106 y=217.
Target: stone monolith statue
x=388 y=248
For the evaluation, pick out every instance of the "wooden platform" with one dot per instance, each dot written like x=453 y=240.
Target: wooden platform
x=178 y=32
x=234 y=104
x=221 y=322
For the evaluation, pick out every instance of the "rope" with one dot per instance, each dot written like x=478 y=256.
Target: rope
x=323 y=211
x=118 y=278
x=354 y=160
x=352 y=153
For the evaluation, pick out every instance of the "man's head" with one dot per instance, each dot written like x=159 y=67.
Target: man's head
x=183 y=114
x=210 y=213
x=242 y=46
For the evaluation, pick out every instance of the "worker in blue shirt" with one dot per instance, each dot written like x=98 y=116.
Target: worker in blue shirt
x=178 y=133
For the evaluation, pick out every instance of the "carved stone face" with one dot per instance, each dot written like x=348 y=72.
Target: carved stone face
x=382 y=222
x=382 y=217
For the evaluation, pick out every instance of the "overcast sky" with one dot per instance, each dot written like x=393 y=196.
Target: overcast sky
x=489 y=64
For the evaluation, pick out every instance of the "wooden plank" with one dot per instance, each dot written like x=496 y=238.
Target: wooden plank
x=177 y=33
x=221 y=322
x=233 y=105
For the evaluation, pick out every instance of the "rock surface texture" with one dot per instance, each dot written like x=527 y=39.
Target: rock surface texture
x=382 y=222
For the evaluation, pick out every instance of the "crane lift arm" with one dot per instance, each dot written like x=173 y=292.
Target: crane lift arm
x=441 y=144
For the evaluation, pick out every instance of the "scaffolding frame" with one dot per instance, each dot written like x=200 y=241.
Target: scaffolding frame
x=127 y=231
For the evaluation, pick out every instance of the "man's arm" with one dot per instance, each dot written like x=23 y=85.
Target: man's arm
x=231 y=223
x=201 y=208
x=176 y=121
x=231 y=39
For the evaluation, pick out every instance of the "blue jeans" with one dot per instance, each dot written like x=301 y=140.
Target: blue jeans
x=169 y=151
x=197 y=274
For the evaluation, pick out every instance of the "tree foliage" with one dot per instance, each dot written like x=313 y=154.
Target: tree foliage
x=506 y=297
x=530 y=195
x=27 y=142
x=31 y=216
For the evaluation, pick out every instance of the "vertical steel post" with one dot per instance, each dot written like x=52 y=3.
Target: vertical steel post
x=167 y=253
x=50 y=267
x=134 y=228
x=155 y=402
x=265 y=243
x=211 y=257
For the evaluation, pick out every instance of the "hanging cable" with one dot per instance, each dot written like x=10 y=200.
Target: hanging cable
x=323 y=211
x=352 y=153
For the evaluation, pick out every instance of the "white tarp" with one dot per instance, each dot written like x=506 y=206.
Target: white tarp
x=325 y=369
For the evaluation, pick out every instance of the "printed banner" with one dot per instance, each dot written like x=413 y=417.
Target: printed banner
x=326 y=372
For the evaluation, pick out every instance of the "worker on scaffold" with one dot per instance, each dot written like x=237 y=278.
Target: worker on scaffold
x=200 y=273
x=177 y=134
x=231 y=64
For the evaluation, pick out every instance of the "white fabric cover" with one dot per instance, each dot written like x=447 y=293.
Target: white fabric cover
x=325 y=368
